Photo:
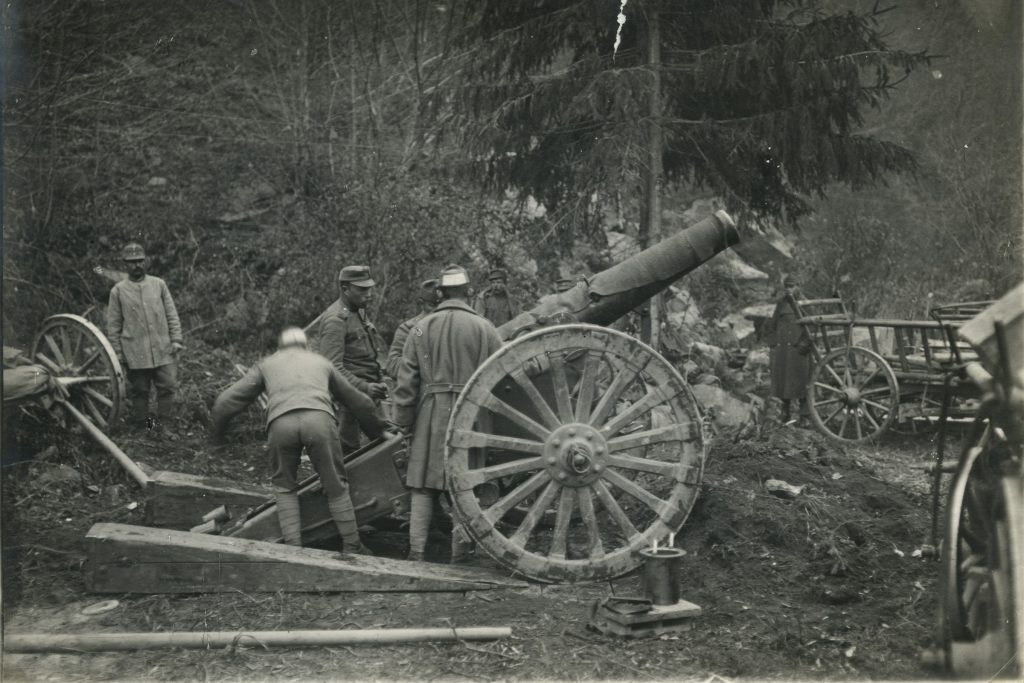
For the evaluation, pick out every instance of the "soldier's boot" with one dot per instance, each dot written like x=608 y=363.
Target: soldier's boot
x=462 y=546
x=344 y=516
x=288 y=516
x=785 y=417
x=421 y=511
x=139 y=419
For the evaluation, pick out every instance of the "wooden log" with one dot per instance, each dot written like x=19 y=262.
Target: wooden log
x=135 y=559
x=175 y=500
x=110 y=642
x=102 y=439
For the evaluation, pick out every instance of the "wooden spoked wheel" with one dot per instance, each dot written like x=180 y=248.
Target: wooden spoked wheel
x=982 y=599
x=79 y=357
x=853 y=395
x=583 y=426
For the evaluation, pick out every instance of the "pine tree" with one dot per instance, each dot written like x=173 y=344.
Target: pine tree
x=761 y=100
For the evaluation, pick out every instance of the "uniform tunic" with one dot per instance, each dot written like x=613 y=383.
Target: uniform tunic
x=299 y=385
x=351 y=344
x=443 y=350
x=790 y=360
x=398 y=343
x=496 y=307
x=142 y=322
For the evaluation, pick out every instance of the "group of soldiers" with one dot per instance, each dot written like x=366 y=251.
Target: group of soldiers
x=322 y=400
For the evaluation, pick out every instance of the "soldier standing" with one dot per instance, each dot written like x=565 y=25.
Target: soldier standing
x=352 y=344
x=442 y=352
x=494 y=302
x=790 y=349
x=428 y=299
x=145 y=333
x=300 y=385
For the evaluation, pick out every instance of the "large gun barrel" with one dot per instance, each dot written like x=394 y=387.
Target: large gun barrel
x=612 y=293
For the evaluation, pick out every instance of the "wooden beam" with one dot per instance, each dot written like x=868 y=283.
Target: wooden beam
x=175 y=500
x=112 y=642
x=133 y=559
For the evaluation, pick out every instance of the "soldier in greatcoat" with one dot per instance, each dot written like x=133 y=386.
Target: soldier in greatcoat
x=790 y=352
x=443 y=350
x=350 y=341
x=145 y=332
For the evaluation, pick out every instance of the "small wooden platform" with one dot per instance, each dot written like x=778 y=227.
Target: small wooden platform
x=175 y=500
x=657 y=620
x=134 y=559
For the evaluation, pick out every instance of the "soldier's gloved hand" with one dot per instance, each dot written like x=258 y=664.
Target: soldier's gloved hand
x=396 y=428
x=177 y=346
x=377 y=390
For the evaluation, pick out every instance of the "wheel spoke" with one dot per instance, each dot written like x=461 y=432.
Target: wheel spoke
x=836 y=375
x=462 y=438
x=560 y=386
x=536 y=399
x=637 y=491
x=56 y=351
x=472 y=478
x=595 y=548
x=827 y=402
x=93 y=357
x=535 y=514
x=494 y=513
x=829 y=387
x=629 y=371
x=870 y=377
x=649 y=401
x=673 y=432
x=98 y=396
x=834 y=413
x=562 y=519
x=871 y=419
x=50 y=365
x=65 y=345
x=498 y=406
x=586 y=386
x=613 y=508
x=670 y=470
x=79 y=338
x=875 y=404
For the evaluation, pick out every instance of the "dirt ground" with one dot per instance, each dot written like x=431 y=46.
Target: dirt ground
x=825 y=586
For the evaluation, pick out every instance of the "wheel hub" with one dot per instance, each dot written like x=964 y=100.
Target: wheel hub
x=575 y=454
x=851 y=397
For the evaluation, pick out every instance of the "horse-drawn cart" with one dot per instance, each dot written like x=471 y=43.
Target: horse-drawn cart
x=873 y=374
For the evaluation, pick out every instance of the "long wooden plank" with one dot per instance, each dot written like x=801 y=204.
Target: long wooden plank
x=133 y=559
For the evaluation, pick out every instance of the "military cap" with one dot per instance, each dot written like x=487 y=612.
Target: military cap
x=133 y=251
x=292 y=336
x=453 y=276
x=497 y=274
x=427 y=290
x=356 y=275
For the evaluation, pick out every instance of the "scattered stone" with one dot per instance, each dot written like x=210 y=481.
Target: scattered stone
x=741 y=326
x=783 y=489
x=757 y=360
x=690 y=369
x=61 y=474
x=157 y=181
x=840 y=596
x=713 y=354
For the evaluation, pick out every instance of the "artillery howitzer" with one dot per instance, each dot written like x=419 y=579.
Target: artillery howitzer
x=570 y=448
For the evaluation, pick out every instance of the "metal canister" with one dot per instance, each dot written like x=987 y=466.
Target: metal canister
x=661 y=574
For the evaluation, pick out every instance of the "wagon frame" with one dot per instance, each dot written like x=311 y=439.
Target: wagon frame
x=871 y=375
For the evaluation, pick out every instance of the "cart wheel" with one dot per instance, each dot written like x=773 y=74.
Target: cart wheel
x=81 y=359
x=981 y=608
x=853 y=395
x=571 y=414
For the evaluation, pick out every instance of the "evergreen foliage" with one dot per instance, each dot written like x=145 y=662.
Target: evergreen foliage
x=762 y=100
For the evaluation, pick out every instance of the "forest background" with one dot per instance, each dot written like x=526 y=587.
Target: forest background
x=256 y=146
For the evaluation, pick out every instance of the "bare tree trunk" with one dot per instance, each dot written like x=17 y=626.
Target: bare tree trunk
x=652 y=233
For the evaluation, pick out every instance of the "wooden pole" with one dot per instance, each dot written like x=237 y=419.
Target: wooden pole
x=109 y=642
x=102 y=439
x=654 y=170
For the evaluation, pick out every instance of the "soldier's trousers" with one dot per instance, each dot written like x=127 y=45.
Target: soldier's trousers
x=164 y=378
x=348 y=428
